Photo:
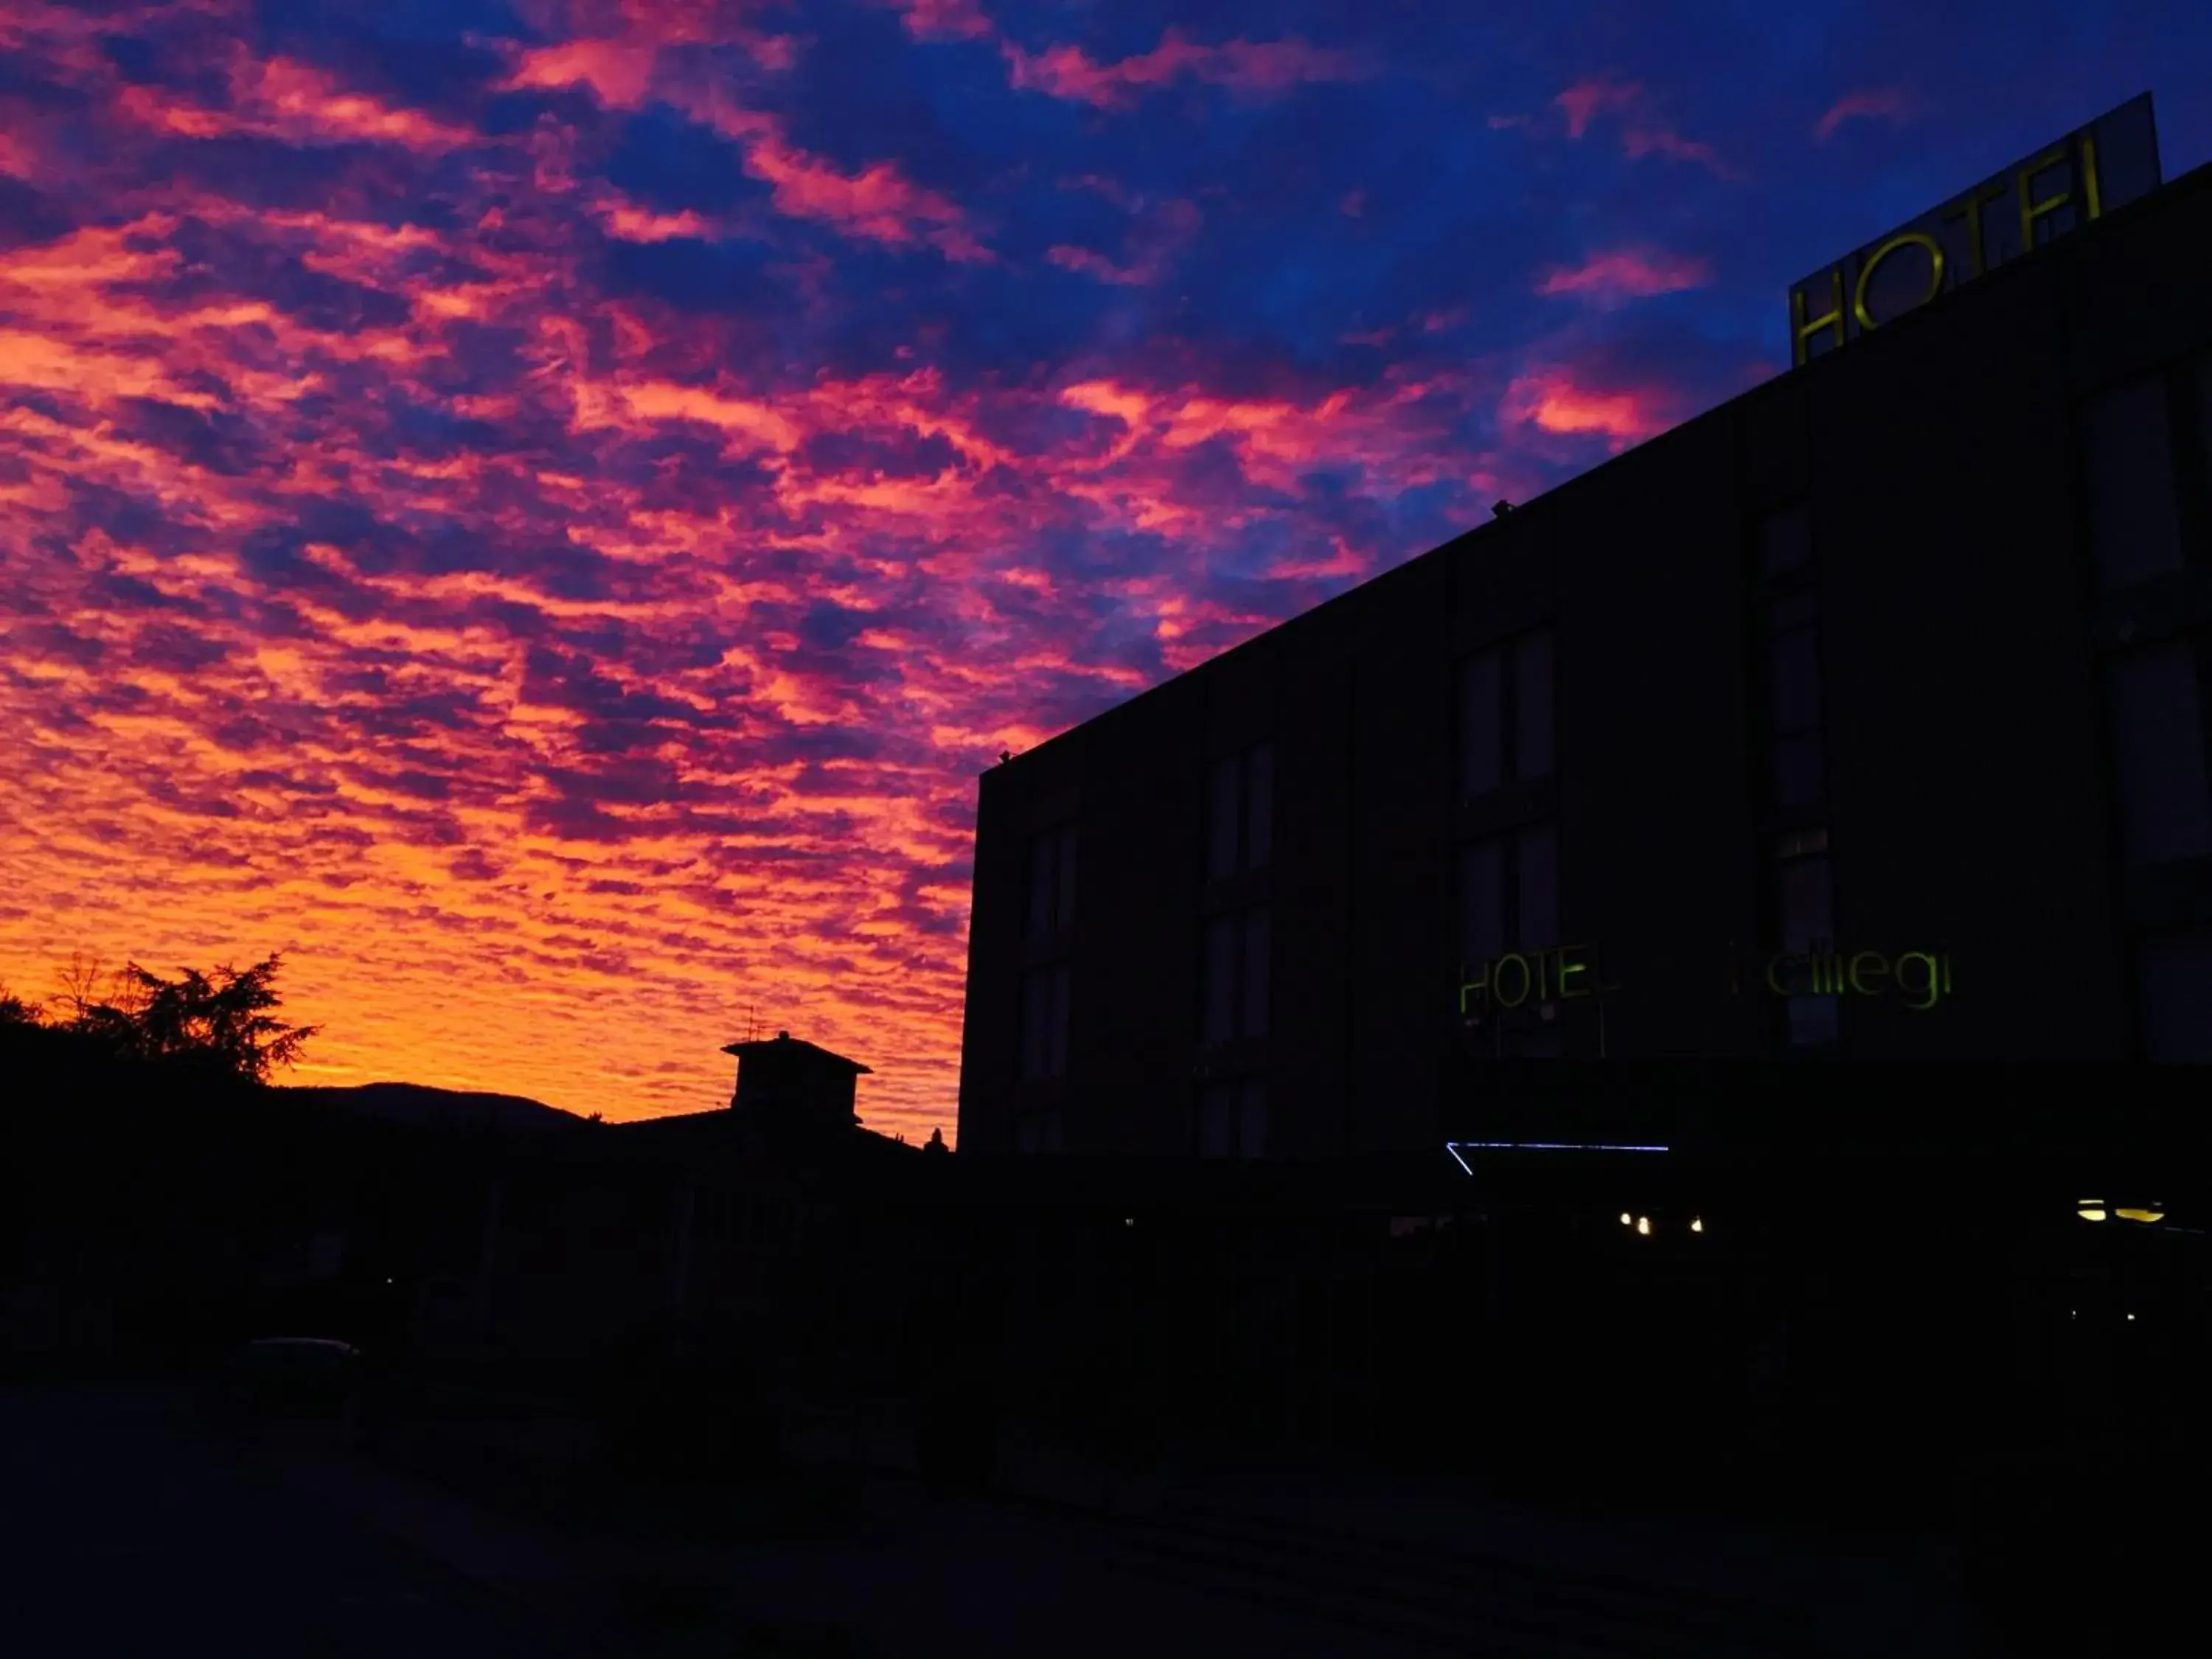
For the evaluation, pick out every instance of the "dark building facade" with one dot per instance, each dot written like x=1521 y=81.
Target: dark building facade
x=1861 y=718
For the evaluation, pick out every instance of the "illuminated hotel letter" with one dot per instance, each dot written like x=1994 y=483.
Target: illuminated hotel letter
x=2030 y=208
x=1803 y=330
x=1867 y=270
x=1773 y=983
x=1928 y=990
x=1568 y=970
x=1479 y=987
x=1972 y=206
x=1868 y=962
x=1522 y=962
x=2092 y=195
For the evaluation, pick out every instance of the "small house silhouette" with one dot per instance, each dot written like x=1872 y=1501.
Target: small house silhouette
x=789 y=1080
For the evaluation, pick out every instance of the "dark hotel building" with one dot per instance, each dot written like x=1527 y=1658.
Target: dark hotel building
x=1862 y=719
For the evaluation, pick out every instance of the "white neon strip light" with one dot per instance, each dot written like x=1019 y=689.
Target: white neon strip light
x=1453 y=1146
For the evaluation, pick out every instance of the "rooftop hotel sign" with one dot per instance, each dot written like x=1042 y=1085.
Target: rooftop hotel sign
x=2060 y=188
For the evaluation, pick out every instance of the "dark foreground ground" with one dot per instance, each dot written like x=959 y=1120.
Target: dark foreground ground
x=129 y=1527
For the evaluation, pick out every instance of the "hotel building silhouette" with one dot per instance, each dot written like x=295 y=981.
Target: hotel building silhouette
x=1861 y=719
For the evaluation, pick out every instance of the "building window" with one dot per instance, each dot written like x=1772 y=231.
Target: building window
x=1785 y=543
x=1240 y=812
x=1044 y=1022
x=2127 y=441
x=1805 y=912
x=1232 y=1119
x=1508 y=889
x=1052 y=882
x=1233 y=978
x=2158 y=752
x=1791 y=631
x=2205 y=409
x=2175 y=980
x=1506 y=724
x=1038 y=1131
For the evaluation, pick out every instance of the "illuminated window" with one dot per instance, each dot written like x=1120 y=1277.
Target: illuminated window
x=1232 y=1119
x=1506 y=714
x=2128 y=460
x=1240 y=812
x=2174 y=976
x=1044 y=1022
x=1233 y=968
x=2158 y=743
x=1051 y=882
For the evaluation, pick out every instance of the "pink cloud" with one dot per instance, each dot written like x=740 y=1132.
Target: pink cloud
x=1551 y=400
x=1119 y=194
x=1094 y=264
x=1643 y=134
x=878 y=204
x=1883 y=103
x=295 y=101
x=1588 y=97
x=1270 y=66
x=617 y=72
x=944 y=20
x=1605 y=280
x=1643 y=141
x=1154 y=242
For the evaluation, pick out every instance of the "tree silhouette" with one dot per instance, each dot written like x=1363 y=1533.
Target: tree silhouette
x=222 y=1022
x=82 y=978
x=14 y=1010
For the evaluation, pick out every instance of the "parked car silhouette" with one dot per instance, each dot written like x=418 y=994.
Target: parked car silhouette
x=289 y=1379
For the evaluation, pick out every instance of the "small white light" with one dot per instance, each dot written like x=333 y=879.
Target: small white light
x=1129 y=1221
x=1626 y=1219
x=1643 y=1225
x=2131 y=1319
x=1697 y=1225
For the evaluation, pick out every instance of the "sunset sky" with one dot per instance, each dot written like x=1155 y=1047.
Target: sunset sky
x=541 y=512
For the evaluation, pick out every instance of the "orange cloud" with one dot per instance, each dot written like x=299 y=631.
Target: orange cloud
x=1885 y=103
x=285 y=98
x=1550 y=400
x=1628 y=273
x=1257 y=67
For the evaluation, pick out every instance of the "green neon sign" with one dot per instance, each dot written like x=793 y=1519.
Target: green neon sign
x=1920 y=979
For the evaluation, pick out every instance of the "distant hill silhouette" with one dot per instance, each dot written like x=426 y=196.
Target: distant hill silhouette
x=418 y=1103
